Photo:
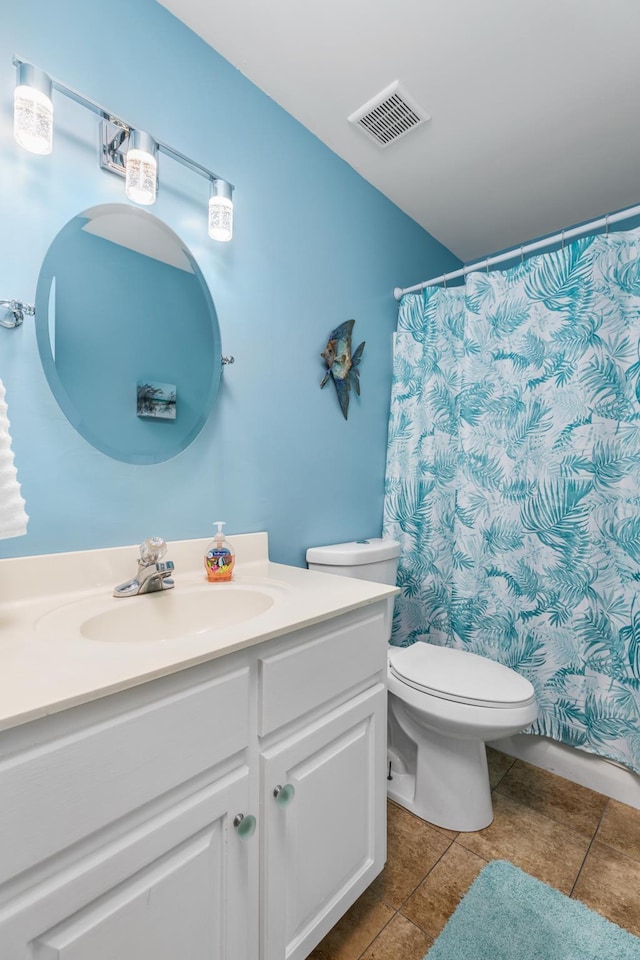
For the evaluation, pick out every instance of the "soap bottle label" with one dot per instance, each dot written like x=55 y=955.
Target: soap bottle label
x=219 y=564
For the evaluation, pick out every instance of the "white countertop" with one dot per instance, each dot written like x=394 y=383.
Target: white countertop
x=47 y=665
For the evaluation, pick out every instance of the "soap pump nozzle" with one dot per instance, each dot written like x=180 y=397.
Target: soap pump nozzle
x=219 y=537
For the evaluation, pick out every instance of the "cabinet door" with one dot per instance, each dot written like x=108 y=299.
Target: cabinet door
x=177 y=886
x=326 y=845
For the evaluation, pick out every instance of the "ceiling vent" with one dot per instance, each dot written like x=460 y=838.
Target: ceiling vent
x=389 y=116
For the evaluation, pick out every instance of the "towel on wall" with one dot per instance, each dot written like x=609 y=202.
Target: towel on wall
x=13 y=518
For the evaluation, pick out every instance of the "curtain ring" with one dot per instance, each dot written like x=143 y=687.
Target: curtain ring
x=444 y=280
x=606 y=225
x=563 y=239
x=487 y=265
x=521 y=255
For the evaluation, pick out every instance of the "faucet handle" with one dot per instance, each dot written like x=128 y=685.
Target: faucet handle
x=152 y=550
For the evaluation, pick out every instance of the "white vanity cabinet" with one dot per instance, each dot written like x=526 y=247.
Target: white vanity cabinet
x=327 y=842
x=116 y=825
x=123 y=821
x=171 y=888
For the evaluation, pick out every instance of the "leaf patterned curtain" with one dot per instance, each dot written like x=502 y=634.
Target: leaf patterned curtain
x=513 y=481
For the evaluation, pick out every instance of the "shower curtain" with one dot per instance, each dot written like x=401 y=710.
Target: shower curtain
x=513 y=481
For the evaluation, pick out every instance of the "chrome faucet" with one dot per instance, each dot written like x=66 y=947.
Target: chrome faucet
x=152 y=575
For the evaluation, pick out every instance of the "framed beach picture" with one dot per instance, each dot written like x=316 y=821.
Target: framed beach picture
x=156 y=400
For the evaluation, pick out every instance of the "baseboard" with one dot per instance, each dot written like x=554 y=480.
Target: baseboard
x=598 y=774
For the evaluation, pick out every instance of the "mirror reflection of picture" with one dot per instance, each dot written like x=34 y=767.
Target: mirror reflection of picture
x=157 y=400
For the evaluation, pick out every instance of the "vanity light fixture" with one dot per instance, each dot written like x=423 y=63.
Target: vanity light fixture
x=220 y=210
x=33 y=110
x=124 y=150
x=141 y=168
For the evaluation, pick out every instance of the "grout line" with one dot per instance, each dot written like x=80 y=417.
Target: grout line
x=361 y=955
x=383 y=927
x=397 y=910
x=591 y=842
x=549 y=815
x=575 y=882
x=610 y=846
x=433 y=939
x=431 y=868
x=510 y=767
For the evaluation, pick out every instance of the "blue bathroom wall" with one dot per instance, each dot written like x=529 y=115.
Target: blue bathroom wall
x=314 y=245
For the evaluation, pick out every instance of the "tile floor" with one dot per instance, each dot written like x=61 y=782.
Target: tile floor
x=572 y=838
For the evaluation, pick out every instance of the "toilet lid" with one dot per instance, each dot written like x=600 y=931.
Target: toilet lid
x=459 y=675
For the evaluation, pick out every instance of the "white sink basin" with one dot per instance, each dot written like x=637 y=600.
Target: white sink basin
x=165 y=615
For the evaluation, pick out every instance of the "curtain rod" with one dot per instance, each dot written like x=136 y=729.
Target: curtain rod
x=487 y=262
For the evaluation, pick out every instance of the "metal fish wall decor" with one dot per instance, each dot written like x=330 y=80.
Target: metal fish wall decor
x=342 y=365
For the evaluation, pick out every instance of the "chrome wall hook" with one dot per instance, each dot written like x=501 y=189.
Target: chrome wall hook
x=227 y=360
x=18 y=309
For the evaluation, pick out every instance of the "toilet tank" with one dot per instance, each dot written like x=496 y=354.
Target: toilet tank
x=375 y=559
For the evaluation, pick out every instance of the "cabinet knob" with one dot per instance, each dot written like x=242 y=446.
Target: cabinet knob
x=284 y=795
x=245 y=825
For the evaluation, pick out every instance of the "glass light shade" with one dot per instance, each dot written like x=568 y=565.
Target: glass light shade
x=141 y=176
x=220 y=218
x=33 y=119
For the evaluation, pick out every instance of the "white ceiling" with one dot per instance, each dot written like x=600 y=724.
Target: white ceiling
x=535 y=104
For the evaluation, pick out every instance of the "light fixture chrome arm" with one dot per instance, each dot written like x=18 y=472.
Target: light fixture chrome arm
x=105 y=114
x=188 y=162
x=18 y=309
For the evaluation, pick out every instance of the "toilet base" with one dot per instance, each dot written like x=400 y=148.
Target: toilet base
x=448 y=782
x=459 y=800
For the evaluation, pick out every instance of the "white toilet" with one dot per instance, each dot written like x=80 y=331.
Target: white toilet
x=444 y=704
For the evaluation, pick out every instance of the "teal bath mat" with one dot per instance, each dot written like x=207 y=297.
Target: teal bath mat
x=508 y=915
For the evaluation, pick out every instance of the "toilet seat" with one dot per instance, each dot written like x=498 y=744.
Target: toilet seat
x=459 y=676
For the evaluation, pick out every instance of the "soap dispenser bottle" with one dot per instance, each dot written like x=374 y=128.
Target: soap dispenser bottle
x=219 y=558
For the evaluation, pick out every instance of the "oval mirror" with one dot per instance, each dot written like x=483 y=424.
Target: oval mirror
x=128 y=334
